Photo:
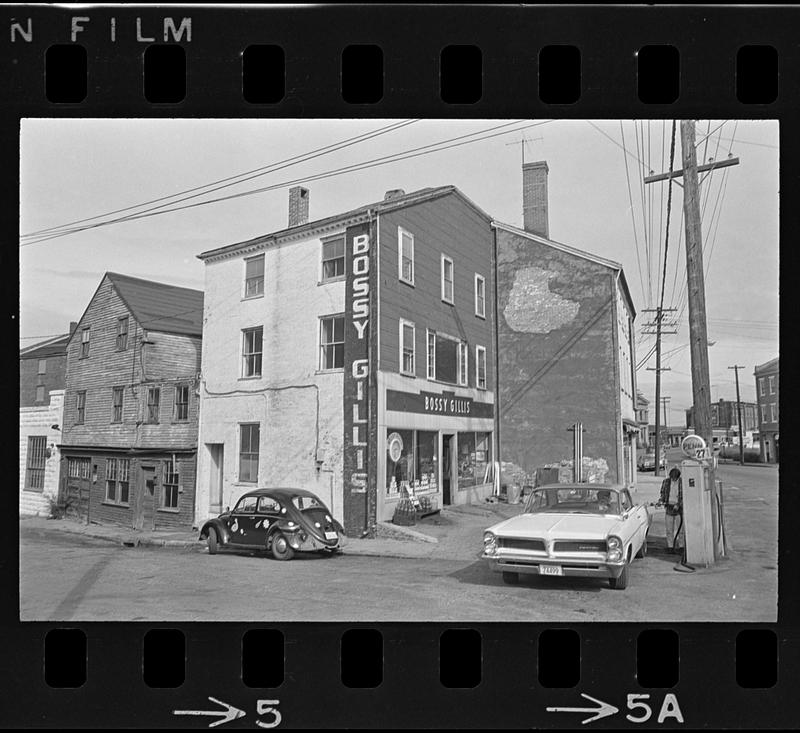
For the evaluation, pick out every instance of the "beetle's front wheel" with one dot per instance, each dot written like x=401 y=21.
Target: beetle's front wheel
x=211 y=540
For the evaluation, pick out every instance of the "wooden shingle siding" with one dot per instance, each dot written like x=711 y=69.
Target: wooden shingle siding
x=169 y=360
x=443 y=226
x=152 y=359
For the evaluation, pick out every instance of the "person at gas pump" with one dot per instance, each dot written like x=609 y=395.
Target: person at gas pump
x=672 y=498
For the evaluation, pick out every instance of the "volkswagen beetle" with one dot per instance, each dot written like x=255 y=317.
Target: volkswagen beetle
x=588 y=530
x=281 y=521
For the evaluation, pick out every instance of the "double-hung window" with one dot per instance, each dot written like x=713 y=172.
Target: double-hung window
x=80 y=407
x=85 y=342
x=480 y=296
x=405 y=255
x=122 y=333
x=37 y=456
x=252 y=351
x=170 y=484
x=117 y=484
x=254 y=276
x=153 y=404
x=463 y=363
x=249 y=434
x=331 y=342
x=407 y=334
x=42 y=366
x=771 y=384
x=181 y=402
x=447 y=279
x=40 y=393
x=431 y=360
x=117 y=396
x=332 y=259
x=761 y=383
x=480 y=367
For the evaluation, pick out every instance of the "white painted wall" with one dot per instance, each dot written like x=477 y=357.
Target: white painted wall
x=39 y=421
x=284 y=399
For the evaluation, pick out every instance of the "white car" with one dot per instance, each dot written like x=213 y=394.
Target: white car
x=586 y=530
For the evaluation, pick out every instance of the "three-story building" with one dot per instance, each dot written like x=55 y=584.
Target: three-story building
x=352 y=355
x=766 y=376
x=129 y=438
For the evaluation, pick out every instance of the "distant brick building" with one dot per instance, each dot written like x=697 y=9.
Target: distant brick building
x=42 y=376
x=767 y=394
x=642 y=417
x=352 y=356
x=129 y=436
x=565 y=347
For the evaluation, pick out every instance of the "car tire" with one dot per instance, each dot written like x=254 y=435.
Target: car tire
x=510 y=578
x=211 y=540
x=280 y=547
x=643 y=549
x=621 y=583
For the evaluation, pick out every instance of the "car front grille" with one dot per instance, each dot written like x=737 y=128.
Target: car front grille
x=513 y=543
x=579 y=546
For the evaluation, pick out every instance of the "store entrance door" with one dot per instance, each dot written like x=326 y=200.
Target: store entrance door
x=448 y=452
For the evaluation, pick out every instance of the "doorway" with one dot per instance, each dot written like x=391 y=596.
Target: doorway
x=448 y=474
x=216 y=453
x=144 y=516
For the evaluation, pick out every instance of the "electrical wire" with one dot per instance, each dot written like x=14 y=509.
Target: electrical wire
x=393 y=158
x=254 y=173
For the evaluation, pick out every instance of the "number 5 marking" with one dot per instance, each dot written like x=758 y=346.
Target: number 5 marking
x=633 y=704
x=264 y=707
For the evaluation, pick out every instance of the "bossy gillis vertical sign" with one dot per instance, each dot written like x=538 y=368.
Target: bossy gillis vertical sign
x=358 y=327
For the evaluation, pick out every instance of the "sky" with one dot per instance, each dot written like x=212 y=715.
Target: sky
x=73 y=169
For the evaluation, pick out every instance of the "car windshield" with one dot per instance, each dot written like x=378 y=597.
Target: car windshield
x=573 y=501
x=307 y=502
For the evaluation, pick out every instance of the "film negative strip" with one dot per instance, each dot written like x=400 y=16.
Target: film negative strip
x=459 y=398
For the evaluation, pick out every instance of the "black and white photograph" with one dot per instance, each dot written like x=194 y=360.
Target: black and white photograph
x=390 y=370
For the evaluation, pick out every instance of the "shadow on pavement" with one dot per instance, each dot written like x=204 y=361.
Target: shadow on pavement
x=478 y=573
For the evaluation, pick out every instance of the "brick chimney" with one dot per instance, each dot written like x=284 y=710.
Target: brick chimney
x=534 y=198
x=72 y=326
x=298 y=206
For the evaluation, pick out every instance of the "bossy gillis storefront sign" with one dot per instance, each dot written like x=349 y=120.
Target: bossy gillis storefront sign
x=432 y=403
x=359 y=287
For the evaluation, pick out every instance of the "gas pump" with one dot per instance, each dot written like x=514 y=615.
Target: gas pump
x=701 y=510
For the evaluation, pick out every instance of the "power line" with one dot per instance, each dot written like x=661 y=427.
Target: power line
x=393 y=158
x=630 y=199
x=260 y=171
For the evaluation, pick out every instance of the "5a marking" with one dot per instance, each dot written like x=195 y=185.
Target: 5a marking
x=636 y=702
x=266 y=708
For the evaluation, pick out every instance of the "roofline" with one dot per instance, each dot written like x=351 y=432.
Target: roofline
x=347 y=218
x=611 y=264
x=766 y=366
x=47 y=342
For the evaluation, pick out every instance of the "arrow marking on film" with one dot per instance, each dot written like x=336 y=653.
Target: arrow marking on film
x=231 y=713
x=601 y=712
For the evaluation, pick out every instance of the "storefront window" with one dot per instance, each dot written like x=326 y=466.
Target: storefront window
x=474 y=455
x=411 y=461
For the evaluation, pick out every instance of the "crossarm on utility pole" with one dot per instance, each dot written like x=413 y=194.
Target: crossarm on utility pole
x=700 y=169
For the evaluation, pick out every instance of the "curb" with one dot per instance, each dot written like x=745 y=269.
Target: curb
x=411 y=533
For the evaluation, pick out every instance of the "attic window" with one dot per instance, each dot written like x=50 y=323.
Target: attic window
x=122 y=333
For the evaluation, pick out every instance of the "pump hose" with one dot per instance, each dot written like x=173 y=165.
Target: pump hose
x=682 y=564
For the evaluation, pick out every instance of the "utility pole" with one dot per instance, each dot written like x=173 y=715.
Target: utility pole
x=698 y=332
x=658 y=325
x=665 y=402
x=736 y=369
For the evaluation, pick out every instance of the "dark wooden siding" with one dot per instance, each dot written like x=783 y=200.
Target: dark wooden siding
x=443 y=226
x=107 y=513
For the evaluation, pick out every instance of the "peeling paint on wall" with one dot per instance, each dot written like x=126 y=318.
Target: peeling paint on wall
x=595 y=470
x=533 y=308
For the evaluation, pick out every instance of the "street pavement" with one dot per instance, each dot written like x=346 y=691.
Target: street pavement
x=431 y=573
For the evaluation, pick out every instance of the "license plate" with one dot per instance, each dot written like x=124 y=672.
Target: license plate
x=550 y=570
x=331 y=535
